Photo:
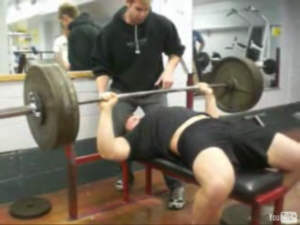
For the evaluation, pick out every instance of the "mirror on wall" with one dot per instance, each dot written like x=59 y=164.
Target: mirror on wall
x=33 y=27
x=242 y=28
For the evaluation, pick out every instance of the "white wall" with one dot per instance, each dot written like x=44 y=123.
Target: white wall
x=4 y=61
x=289 y=71
x=214 y=15
x=291 y=53
x=181 y=15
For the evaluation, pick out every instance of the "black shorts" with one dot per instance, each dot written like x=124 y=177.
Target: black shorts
x=244 y=142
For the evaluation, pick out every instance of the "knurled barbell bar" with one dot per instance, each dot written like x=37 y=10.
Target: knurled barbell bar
x=33 y=107
x=52 y=107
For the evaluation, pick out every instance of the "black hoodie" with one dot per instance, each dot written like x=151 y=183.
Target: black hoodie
x=132 y=55
x=81 y=41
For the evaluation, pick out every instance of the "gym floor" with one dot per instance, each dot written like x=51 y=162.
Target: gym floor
x=99 y=203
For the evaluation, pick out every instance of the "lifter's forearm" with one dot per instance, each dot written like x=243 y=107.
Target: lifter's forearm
x=105 y=134
x=211 y=105
x=102 y=83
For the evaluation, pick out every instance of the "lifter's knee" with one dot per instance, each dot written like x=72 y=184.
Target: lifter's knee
x=217 y=190
x=284 y=153
x=215 y=175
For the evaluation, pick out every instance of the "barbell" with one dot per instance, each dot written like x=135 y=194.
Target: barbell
x=52 y=108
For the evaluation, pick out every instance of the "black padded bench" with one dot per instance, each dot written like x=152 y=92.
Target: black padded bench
x=254 y=188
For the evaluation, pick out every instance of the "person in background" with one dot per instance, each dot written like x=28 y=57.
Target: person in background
x=60 y=49
x=82 y=36
x=199 y=57
x=198 y=42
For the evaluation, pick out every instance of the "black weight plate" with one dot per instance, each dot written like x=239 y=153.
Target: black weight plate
x=202 y=61
x=270 y=66
x=247 y=80
x=59 y=123
x=30 y=208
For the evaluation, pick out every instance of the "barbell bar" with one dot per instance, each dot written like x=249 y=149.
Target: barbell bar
x=52 y=107
x=16 y=111
x=151 y=92
x=33 y=108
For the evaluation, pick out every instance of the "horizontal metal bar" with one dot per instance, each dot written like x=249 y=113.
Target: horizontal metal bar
x=17 y=111
x=87 y=158
x=31 y=108
x=142 y=94
x=152 y=92
x=218 y=85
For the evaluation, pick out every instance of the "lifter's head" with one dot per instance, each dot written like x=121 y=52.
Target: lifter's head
x=137 y=10
x=131 y=122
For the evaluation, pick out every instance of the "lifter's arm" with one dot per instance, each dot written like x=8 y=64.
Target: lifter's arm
x=210 y=100
x=109 y=146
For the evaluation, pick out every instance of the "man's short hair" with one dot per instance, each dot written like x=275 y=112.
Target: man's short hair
x=68 y=9
x=146 y=2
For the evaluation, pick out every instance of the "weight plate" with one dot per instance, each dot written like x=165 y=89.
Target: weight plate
x=30 y=208
x=59 y=121
x=270 y=66
x=245 y=84
x=202 y=61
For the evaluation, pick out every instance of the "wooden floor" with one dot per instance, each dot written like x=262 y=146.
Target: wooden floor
x=106 y=207
x=104 y=203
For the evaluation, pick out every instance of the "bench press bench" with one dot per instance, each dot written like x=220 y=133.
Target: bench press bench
x=254 y=188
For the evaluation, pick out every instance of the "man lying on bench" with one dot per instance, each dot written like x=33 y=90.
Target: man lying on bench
x=211 y=147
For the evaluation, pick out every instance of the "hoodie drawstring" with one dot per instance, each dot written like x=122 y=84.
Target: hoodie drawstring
x=136 y=40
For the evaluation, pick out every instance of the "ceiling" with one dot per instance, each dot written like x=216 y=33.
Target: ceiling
x=99 y=9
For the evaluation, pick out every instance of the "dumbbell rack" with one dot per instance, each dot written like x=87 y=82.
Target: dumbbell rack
x=74 y=161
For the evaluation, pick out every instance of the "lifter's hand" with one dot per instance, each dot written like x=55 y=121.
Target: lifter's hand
x=205 y=88
x=110 y=99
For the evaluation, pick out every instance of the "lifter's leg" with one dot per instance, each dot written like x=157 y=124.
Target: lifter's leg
x=284 y=154
x=215 y=175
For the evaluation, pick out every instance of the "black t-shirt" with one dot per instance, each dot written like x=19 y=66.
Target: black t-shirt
x=151 y=137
